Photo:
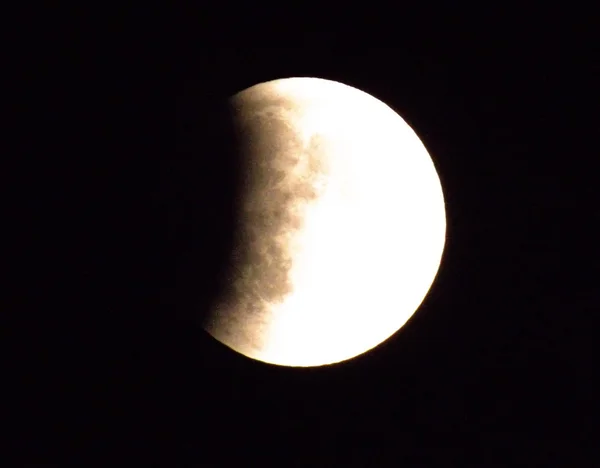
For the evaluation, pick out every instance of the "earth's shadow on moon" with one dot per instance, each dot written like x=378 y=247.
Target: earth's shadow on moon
x=281 y=174
x=200 y=186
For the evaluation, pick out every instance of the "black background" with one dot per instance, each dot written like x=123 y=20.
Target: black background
x=122 y=225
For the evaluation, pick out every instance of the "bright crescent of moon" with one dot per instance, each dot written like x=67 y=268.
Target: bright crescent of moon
x=371 y=235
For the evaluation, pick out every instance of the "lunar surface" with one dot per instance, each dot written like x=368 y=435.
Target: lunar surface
x=340 y=229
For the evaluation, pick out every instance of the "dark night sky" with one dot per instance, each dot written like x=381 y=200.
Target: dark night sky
x=127 y=236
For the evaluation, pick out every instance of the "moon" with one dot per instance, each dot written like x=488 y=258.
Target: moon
x=340 y=225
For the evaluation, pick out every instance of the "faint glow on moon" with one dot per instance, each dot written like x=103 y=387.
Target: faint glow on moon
x=371 y=244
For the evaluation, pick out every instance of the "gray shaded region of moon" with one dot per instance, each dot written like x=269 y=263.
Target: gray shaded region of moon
x=281 y=173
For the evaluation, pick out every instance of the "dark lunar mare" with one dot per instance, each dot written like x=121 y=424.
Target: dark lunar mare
x=269 y=204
